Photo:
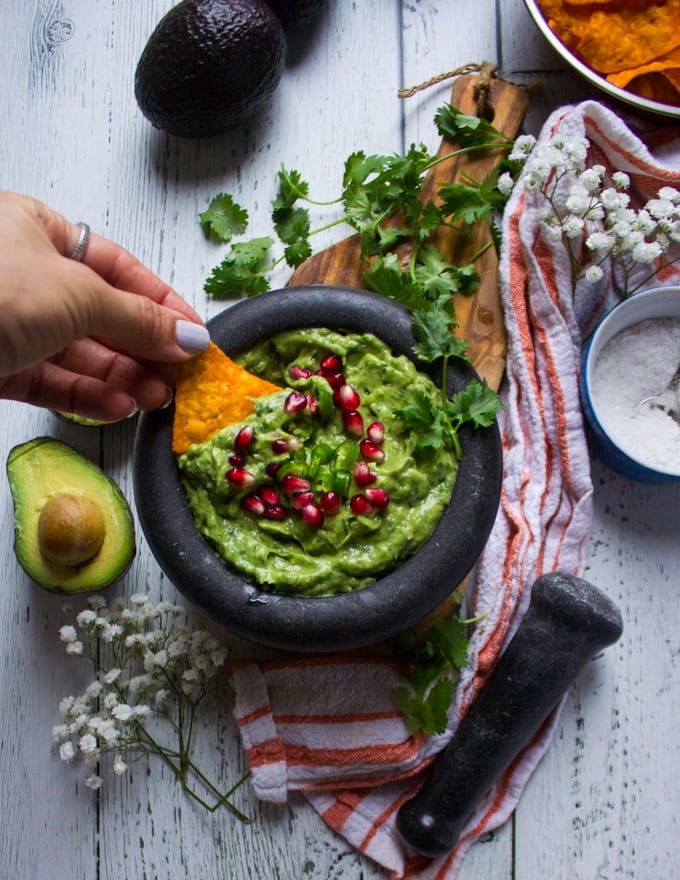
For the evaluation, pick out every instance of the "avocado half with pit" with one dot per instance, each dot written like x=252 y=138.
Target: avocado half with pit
x=73 y=529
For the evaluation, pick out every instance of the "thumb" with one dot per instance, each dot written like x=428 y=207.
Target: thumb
x=137 y=325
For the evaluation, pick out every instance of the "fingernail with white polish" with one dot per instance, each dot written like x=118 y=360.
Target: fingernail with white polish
x=193 y=338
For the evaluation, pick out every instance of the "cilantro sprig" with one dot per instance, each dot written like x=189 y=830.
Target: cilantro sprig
x=380 y=199
x=435 y=659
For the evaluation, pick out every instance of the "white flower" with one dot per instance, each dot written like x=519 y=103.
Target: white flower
x=593 y=274
x=67 y=751
x=578 y=200
x=620 y=180
x=660 y=208
x=94 y=689
x=119 y=765
x=85 y=618
x=612 y=200
x=505 y=184
x=160 y=698
x=111 y=631
x=75 y=648
x=139 y=599
x=577 y=151
x=552 y=231
x=646 y=252
x=668 y=192
x=111 y=700
x=122 y=712
x=87 y=743
x=68 y=634
x=591 y=178
x=600 y=241
x=523 y=145
x=94 y=782
x=572 y=226
x=112 y=675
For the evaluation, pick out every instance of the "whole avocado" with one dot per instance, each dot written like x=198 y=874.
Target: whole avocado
x=296 y=13
x=210 y=65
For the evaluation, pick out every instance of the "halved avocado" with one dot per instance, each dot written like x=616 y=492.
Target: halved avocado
x=73 y=529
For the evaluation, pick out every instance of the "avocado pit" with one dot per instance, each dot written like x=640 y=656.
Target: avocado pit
x=71 y=529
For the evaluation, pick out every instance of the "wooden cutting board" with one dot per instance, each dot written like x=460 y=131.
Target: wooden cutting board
x=480 y=316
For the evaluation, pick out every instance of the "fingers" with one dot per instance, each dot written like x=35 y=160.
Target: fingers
x=150 y=388
x=50 y=386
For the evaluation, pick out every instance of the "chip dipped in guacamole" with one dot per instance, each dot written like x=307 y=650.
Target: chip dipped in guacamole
x=322 y=488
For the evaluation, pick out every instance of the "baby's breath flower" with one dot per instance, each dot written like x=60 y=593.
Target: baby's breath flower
x=122 y=712
x=593 y=274
x=573 y=226
x=620 y=180
x=68 y=634
x=505 y=183
x=67 y=751
x=523 y=145
x=94 y=782
x=161 y=669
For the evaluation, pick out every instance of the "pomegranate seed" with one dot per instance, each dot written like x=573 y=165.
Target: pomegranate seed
x=279 y=446
x=237 y=459
x=376 y=432
x=269 y=496
x=299 y=372
x=371 y=451
x=272 y=469
x=295 y=402
x=363 y=475
x=332 y=363
x=244 y=439
x=239 y=477
x=302 y=499
x=330 y=503
x=347 y=398
x=253 y=504
x=313 y=516
x=292 y=484
x=360 y=505
x=378 y=498
x=274 y=511
x=353 y=422
x=312 y=404
x=335 y=380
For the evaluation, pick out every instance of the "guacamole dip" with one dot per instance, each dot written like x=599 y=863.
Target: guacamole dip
x=319 y=491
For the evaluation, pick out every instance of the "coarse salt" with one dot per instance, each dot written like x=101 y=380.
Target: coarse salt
x=636 y=363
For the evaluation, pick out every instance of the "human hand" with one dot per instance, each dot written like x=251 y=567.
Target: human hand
x=100 y=338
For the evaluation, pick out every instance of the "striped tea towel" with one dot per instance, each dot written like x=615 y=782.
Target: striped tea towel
x=328 y=726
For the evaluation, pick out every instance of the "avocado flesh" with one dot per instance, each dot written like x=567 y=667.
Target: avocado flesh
x=42 y=468
x=210 y=65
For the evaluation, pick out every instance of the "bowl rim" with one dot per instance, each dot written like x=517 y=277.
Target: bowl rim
x=624 y=314
x=596 y=79
x=396 y=600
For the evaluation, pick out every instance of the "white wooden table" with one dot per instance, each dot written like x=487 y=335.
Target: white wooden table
x=602 y=804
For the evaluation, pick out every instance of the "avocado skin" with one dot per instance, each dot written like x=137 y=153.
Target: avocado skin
x=296 y=13
x=210 y=65
x=43 y=467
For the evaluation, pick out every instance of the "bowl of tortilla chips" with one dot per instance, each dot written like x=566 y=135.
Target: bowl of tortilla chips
x=409 y=590
x=628 y=49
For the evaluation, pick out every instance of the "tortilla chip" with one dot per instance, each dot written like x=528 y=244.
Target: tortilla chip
x=629 y=36
x=213 y=392
x=658 y=65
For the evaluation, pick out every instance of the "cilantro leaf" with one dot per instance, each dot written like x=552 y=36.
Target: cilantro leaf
x=432 y=329
x=427 y=714
x=224 y=218
x=435 y=659
x=466 y=130
x=476 y=403
x=461 y=202
x=428 y=422
x=385 y=276
x=240 y=271
x=291 y=188
x=436 y=276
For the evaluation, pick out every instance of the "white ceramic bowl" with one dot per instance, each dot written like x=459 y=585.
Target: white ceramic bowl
x=609 y=445
x=600 y=82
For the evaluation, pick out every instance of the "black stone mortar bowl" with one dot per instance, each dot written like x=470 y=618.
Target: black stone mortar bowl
x=395 y=601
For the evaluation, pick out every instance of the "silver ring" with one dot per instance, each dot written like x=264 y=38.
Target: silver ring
x=81 y=244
